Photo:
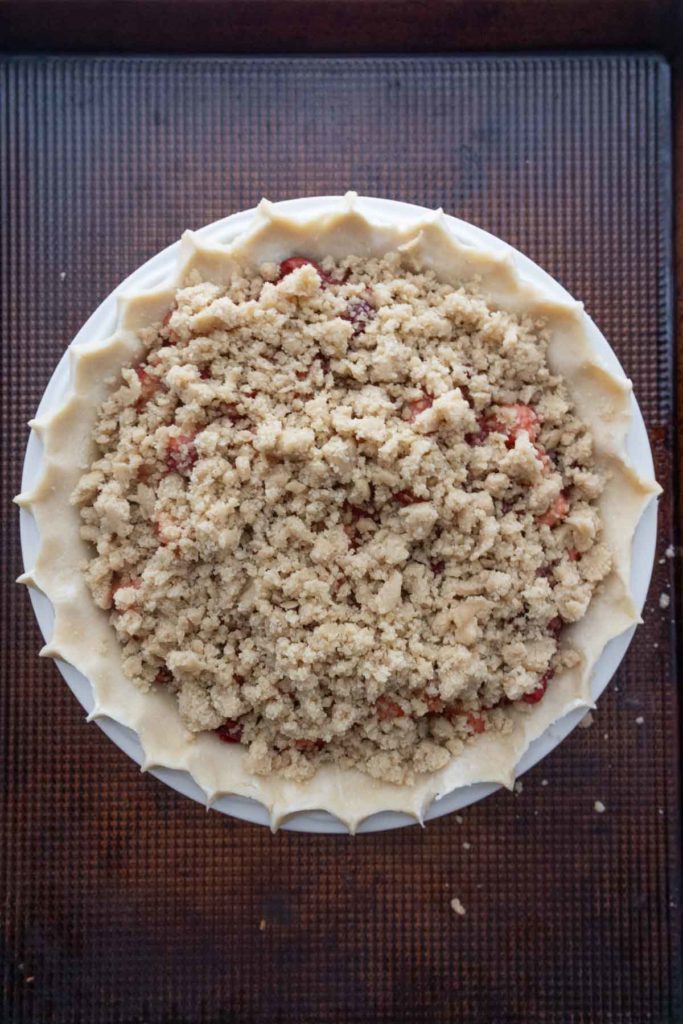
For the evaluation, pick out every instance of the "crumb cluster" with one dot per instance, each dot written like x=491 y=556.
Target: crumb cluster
x=343 y=513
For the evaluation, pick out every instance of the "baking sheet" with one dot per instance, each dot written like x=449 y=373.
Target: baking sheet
x=124 y=902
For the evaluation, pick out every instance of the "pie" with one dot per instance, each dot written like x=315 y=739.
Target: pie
x=343 y=514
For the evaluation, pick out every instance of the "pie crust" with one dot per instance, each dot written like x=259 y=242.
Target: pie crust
x=83 y=635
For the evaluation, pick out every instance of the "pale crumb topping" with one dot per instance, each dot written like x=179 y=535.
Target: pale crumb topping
x=343 y=513
x=457 y=906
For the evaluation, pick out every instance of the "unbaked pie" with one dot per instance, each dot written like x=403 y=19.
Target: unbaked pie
x=343 y=497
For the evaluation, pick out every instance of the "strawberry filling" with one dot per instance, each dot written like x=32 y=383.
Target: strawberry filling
x=164 y=676
x=556 y=513
x=361 y=512
x=294 y=262
x=407 y=498
x=149 y=385
x=555 y=625
x=486 y=425
x=359 y=313
x=420 y=405
x=524 y=419
x=230 y=731
x=435 y=705
x=388 y=709
x=352 y=533
x=539 y=692
x=181 y=454
x=309 y=744
x=118 y=583
x=324 y=366
x=230 y=411
x=477 y=723
x=356 y=513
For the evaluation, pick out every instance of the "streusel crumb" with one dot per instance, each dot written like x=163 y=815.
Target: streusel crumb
x=343 y=513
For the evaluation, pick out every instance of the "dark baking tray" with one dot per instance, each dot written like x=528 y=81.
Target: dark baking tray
x=124 y=902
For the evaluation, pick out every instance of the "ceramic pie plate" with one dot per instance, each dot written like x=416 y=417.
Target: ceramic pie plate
x=148 y=728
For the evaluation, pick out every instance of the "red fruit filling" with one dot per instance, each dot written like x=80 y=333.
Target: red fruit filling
x=388 y=709
x=435 y=705
x=118 y=583
x=309 y=744
x=230 y=411
x=181 y=454
x=294 y=262
x=361 y=512
x=149 y=385
x=486 y=425
x=556 y=513
x=538 y=693
x=359 y=312
x=477 y=723
x=352 y=533
x=357 y=512
x=230 y=731
x=407 y=498
x=164 y=676
x=524 y=419
x=420 y=405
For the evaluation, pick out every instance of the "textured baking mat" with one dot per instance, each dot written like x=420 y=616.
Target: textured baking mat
x=124 y=902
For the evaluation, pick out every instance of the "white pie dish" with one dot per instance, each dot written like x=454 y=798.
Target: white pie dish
x=148 y=278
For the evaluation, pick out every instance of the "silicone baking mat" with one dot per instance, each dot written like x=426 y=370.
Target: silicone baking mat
x=124 y=902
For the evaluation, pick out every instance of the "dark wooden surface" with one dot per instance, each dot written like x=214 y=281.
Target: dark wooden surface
x=263 y=26
x=123 y=902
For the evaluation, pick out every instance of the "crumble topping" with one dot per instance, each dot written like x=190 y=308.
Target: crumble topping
x=458 y=907
x=343 y=512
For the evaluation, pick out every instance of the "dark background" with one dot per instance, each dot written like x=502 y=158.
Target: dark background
x=123 y=902
x=316 y=26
